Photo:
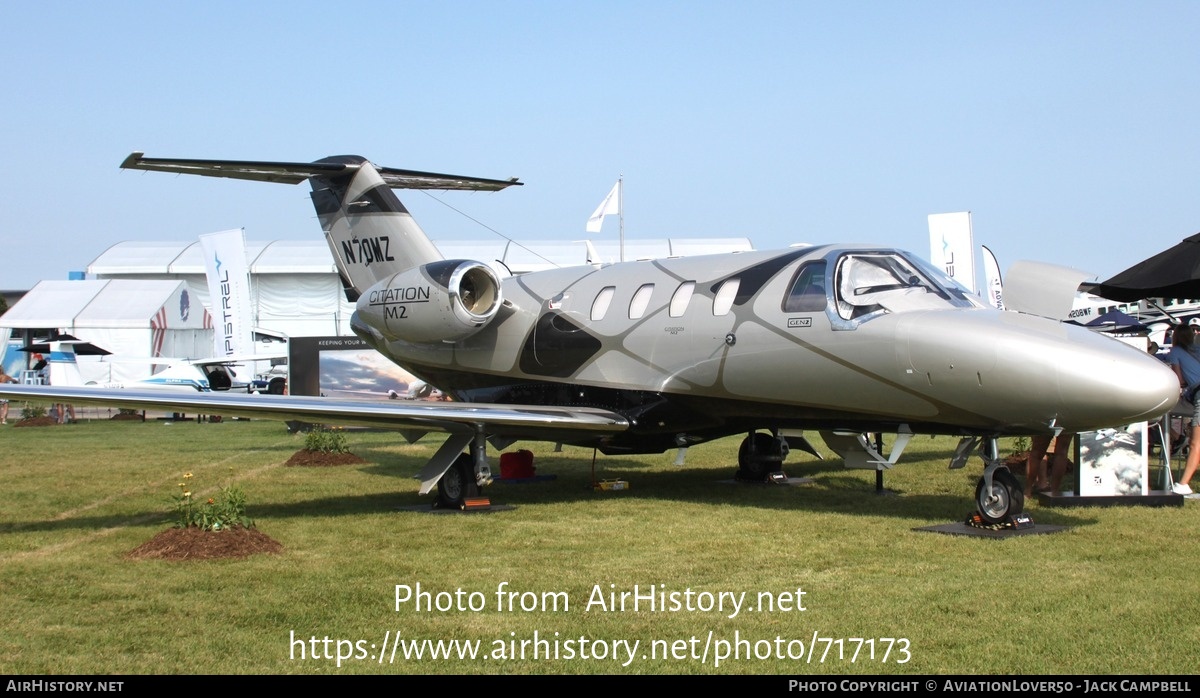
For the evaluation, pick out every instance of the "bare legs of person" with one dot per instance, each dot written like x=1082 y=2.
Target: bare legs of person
x=1189 y=469
x=1035 y=464
x=63 y=410
x=1061 y=462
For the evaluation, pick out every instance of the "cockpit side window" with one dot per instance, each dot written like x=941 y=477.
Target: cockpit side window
x=869 y=283
x=808 y=289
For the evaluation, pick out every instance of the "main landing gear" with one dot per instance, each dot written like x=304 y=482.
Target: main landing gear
x=460 y=485
x=760 y=456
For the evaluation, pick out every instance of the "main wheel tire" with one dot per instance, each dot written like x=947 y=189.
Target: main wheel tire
x=767 y=457
x=1005 y=499
x=454 y=486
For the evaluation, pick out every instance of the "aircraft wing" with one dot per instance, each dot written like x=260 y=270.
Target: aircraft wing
x=237 y=358
x=519 y=421
x=297 y=172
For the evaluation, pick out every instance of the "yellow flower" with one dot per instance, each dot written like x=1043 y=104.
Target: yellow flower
x=187 y=476
x=181 y=484
x=188 y=494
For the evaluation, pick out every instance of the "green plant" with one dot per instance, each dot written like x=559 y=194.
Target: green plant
x=326 y=440
x=1020 y=445
x=31 y=411
x=226 y=510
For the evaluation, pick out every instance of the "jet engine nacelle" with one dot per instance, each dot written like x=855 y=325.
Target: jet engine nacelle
x=444 y=301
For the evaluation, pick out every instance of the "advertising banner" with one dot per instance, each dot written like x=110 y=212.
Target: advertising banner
x=951 y=247
x=229 y=292
x=994 y=285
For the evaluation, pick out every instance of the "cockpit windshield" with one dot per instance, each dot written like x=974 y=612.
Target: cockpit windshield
x=886 y=282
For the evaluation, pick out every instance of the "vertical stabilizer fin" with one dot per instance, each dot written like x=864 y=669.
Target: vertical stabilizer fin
x=370 y=233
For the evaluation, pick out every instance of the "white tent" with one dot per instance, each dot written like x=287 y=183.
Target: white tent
x=295 y=287
x=131 y=318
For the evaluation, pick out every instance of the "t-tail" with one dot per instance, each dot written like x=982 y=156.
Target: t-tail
x=371 y=234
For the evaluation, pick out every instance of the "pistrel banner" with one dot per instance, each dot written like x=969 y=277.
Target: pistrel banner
x=229 y=291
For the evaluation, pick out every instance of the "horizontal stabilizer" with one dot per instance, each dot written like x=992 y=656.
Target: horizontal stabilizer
x=297 y=172
x=237 y=358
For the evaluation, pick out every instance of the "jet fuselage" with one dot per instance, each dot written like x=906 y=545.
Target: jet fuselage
x=831 y=337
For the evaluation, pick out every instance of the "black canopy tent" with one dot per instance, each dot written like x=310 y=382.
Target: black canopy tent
x=1174 y=273
x=81 y=348
x=1115 y=322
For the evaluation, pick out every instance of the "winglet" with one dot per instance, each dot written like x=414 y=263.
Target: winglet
x=131 y=161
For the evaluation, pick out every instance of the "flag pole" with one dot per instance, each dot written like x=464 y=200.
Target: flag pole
x=621 y=211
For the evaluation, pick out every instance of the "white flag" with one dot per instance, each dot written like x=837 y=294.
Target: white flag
x=229 y=291
x=610 y=205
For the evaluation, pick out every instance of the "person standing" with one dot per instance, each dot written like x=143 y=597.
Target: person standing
x=1184 y=359
x=5 y=378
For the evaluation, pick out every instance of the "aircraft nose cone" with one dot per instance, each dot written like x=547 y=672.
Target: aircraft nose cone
x=1107 y=385
x=1021 y=373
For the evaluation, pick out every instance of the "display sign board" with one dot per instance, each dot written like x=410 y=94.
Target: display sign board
x=1114 y=462
x=344 y=367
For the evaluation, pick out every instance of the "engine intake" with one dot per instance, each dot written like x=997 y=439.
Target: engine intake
x=444 y=301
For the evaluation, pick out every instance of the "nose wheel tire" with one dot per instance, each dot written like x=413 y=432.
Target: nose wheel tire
x=1004 y=499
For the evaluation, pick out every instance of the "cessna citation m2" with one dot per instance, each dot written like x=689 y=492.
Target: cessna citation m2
x=642 y=357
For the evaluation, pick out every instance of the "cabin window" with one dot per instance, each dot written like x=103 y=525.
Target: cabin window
x=808 y=290
x=725 y=295
x=683 y=296
x=603 y=299
x=640 y=301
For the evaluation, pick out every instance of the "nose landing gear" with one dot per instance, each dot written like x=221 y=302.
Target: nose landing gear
x=999 y=498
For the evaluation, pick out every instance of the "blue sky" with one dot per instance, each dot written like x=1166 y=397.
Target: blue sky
x=1068 y=129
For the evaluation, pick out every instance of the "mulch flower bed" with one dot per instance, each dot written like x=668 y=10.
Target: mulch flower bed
x=36 y=422
x=322 y=459
x=196 y=544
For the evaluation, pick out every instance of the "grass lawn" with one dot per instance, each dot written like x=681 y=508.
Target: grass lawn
x=1115 y=593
